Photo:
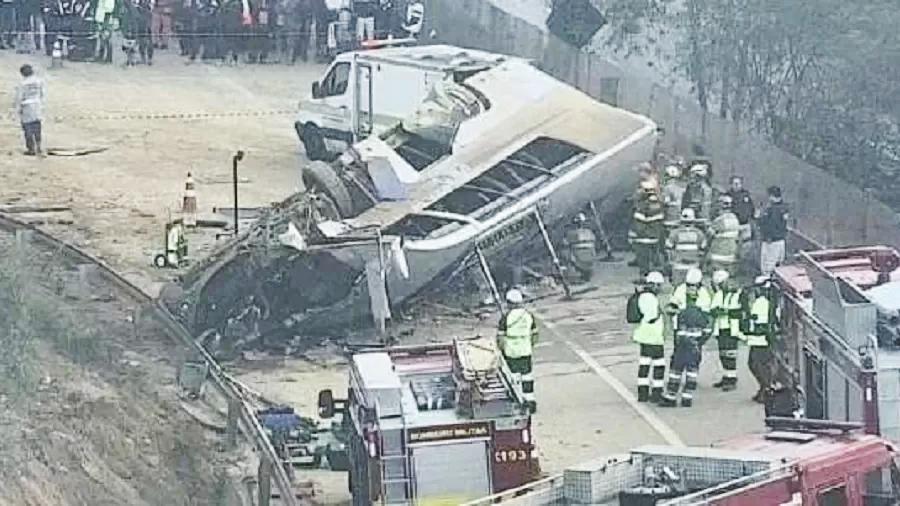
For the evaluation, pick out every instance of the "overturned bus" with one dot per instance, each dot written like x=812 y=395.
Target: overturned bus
x=470 y=166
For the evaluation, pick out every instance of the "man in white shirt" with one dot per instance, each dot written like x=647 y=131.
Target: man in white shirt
x=29 y=104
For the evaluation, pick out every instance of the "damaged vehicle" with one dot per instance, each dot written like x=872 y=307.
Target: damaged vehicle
x=471 y=166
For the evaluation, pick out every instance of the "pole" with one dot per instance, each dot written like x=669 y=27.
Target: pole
x=238 y=156
x=553 y=256
x=604 y=238
x=489 y=277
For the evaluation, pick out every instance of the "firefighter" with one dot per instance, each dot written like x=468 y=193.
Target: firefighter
x=649 y=180
x=690 y=334
x=685 y=246
x=726 y=313
x=516 y=336
x=582 y=246
x=672 y=192
x=699 y=194
x=647 y=228
x=649 y=334
x=758 y=326
x=724 y=238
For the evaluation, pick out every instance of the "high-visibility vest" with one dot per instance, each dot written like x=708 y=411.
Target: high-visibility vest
x=758 y=328
x=729 y=315
x=651 y=329
x=680 y=299
x=518 y=340
x=723 y=246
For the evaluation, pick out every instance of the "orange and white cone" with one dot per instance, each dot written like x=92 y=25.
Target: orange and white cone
x=189 y=204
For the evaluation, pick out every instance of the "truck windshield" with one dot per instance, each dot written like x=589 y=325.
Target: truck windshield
x=882 y=487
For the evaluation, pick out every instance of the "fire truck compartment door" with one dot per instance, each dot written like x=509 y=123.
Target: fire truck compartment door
x=451 y=473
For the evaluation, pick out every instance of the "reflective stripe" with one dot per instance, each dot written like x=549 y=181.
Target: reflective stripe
x=687 y=395
x=689 y=333
x=659 y=362
x=723 y=258
x=643 y=381
x=730 y=373
x=527 y=377
x=686 y=247
x=727 y=235
x=652 y=217
x=691 y=375
x=642 y=360
x=528 y=396
x=643 y=240
x=658 y=383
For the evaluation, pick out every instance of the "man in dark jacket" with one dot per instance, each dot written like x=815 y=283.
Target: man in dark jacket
x=772 y=232
x=742 y=206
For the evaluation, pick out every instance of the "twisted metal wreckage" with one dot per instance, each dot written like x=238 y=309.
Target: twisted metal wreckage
x=470 y=167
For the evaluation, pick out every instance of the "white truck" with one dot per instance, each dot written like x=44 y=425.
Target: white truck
x=365 y=92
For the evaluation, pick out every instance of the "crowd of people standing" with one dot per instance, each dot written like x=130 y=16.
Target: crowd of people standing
x=211 y=30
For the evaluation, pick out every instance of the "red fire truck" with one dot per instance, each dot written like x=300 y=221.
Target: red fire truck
x=839 y=335
x=434 y=424
x=798 y=462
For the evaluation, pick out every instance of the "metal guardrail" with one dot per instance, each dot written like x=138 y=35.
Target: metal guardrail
x=180 y=335
x=525 y=492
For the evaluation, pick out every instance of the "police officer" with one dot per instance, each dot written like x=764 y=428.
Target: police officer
x=516 y=336
x=726 y=314
x=649 y=334
x=647 y=228
x=673 y=192
x=724 y=240
x=690 y=334
x=582 y=246
x=758 y=327
x=685 y=245
x=699 y=194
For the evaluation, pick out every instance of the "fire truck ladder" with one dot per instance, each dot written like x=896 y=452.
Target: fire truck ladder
x=396 y=478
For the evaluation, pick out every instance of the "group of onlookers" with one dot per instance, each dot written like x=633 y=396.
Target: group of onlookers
x=211 y=30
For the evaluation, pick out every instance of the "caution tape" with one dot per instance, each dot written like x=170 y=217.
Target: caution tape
x=172 y=116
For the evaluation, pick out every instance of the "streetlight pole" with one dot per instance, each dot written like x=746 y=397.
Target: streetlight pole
x=234 y=180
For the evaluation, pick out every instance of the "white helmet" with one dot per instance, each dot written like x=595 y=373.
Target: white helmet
x=725 y=201
x=673 y=171
x=762 y=280
x=720 y=277
x=655 y=278
x=580 y=218
x=699 y=169
x=515 y=297
x=688 y=215
x=693 y=276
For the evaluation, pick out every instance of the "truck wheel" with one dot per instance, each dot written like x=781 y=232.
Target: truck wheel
x=322 y=180
x=314 y=143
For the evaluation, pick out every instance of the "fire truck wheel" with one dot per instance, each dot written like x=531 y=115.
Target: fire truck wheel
x=338 y=460
x=322 y=180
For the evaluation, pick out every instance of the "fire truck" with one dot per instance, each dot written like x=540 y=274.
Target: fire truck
x=434 y=424
x=797 y=462
x=840 y=335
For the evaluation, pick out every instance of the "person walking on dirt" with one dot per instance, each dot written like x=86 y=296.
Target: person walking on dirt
x=29 y=104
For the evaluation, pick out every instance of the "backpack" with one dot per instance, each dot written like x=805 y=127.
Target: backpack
x=633 y=312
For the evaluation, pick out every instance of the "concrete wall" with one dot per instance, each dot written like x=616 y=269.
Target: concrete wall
x=827 y=209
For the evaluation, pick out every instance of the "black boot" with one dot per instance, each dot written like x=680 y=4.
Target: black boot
x=643 y=394
x=720 y=384
x=686 y=403
x=667 y=402
x=656 y=395
x=728 y=386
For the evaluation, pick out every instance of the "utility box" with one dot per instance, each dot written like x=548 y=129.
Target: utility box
x=380 y=381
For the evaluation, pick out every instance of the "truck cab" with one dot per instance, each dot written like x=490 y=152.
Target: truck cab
x=365 y=92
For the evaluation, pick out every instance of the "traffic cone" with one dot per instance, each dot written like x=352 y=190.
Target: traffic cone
x=189 y=204
x=56 y=60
